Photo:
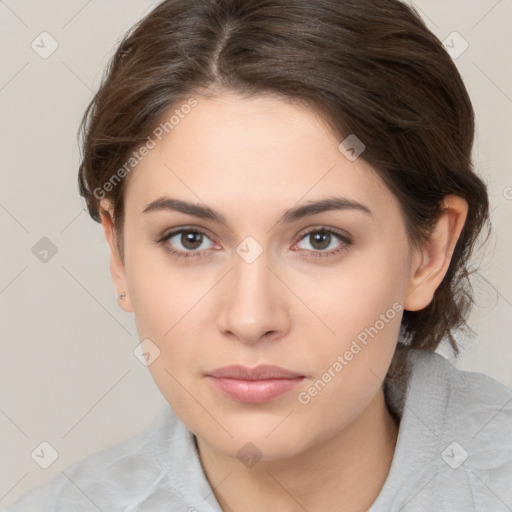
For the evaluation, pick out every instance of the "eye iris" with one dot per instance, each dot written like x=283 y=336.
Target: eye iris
x=191 y=240
x=322 y=237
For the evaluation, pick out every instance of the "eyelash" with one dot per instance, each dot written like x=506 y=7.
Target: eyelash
x=314 y=254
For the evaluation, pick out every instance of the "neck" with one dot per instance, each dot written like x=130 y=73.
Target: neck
x=345 y=472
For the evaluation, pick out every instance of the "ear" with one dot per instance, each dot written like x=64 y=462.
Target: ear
x=117 y=266
x=430 y=264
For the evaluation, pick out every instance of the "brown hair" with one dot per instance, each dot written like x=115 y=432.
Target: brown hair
x=368 y=67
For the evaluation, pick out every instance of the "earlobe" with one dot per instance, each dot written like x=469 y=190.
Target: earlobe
x=117 y=266
x=430 y=264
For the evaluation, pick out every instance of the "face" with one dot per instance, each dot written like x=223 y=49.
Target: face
x=319 y=295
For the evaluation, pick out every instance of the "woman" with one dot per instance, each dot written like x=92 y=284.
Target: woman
x=288 y=195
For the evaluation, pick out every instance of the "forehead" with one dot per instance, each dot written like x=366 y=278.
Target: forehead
x=262 y=153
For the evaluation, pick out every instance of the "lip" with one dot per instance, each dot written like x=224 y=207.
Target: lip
x=254 y=385
x=261 y=372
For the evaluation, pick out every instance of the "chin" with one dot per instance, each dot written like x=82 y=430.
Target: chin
x=260 y=440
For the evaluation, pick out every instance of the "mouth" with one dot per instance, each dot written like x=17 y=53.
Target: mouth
x=257 y=385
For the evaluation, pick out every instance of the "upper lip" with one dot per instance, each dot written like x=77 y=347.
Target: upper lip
x=260 y=372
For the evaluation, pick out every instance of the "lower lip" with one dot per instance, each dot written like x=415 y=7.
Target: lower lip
x=254 y=391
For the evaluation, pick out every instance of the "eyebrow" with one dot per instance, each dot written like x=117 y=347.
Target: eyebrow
x=289 y=216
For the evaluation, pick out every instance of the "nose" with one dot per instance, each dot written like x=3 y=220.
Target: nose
x=253 y=302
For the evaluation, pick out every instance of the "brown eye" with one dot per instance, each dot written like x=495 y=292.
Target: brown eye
x=185 y=242
x=191 y=240
x=325 y=242
x=320 y=240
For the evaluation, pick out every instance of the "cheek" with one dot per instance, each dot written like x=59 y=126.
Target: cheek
x=364 y=312
x=160 y=293
x=362 y=306
x=365 y=286
x=166 y=308
x=168 y=303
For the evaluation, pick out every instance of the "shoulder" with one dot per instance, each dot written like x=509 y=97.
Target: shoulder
x=465 y=394
x=455 y=439
x=470 y=408
x=114 y=479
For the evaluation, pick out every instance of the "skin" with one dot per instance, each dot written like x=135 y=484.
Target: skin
x=251 y=159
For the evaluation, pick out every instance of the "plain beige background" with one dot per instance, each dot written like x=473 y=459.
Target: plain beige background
x=68 y=373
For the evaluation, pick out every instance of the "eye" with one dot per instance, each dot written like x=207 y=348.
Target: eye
x=190 y=240
x=324 y=238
